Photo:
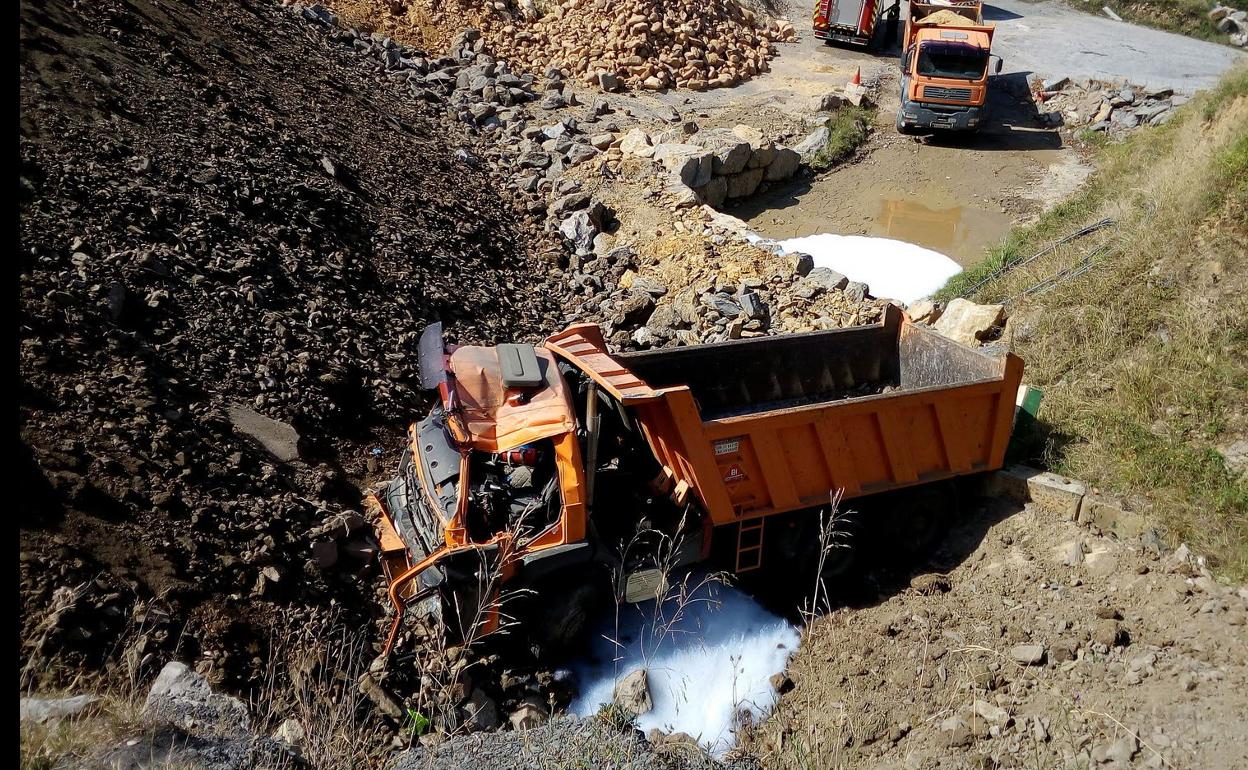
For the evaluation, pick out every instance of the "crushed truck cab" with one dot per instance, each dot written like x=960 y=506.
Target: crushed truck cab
x=557 y=467
x=945 y=67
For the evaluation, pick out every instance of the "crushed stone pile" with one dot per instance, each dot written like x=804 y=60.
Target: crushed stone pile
x=645 y=43
x=649 y=297
x=638 y=44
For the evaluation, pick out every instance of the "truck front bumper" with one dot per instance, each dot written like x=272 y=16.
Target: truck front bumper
x=942 y=116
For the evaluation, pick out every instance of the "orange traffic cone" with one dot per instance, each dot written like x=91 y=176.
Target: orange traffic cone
x=857 y=81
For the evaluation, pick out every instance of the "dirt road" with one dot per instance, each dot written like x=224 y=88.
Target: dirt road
x=1051 y=39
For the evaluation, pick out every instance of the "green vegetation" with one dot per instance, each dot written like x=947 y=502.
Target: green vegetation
x=848 y=129
x=1143 y=356
x=1187 y=17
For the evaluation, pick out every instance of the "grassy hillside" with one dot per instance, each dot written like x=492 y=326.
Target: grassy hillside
x=1187 y=17
x=1142 y=350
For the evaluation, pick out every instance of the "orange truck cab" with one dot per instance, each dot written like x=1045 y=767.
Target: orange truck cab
x=563 y=468
x=946 y=53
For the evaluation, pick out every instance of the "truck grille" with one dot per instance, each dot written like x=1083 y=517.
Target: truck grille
x=951 y=94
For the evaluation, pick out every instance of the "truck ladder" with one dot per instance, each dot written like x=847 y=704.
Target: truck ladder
x=750 y=545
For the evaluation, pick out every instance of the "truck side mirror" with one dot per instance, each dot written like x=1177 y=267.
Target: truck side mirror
x=1000 y=63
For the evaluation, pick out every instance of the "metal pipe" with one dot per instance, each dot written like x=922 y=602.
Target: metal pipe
x=593 y=422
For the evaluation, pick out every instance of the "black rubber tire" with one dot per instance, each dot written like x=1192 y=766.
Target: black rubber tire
x=562 y=607
x=912 y=520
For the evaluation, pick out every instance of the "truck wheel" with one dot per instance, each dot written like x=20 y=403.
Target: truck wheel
x=916 y=519
x=563 y=607
x=807 y=546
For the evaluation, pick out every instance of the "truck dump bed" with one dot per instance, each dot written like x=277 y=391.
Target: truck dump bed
x=772 y=424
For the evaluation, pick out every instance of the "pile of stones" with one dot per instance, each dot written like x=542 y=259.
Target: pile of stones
x=720 y=164
x=1101 y=106
x=641 y=43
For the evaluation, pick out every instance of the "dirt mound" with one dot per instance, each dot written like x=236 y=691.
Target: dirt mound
x=638 y=43
x=231 y=235
x=1026 y=641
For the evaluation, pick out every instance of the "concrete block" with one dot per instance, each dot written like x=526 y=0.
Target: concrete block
x=1056 y=495
x=1010 y=483
x=1047 y=491
x=1108 y=516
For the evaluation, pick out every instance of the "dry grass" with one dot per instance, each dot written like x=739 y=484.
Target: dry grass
x=1143 y=357
x=45 y=746
x=1187 y=17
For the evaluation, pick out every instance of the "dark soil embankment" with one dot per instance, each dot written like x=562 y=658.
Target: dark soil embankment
x=220 y=208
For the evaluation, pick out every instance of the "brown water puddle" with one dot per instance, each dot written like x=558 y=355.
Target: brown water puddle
x=962 y=232
x=959 y=229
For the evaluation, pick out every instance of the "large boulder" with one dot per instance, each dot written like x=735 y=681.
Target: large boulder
x=637 y=142
x=715 y=191
x=480 y=712
x=815 y=141
x=690 y=162
x=43 y=710
x=632 y=693
x=182 y=697
x=729 y=152
x=967 y=322
x=633 y=310
x=783 y=165
x=276 y=437
x=579 y=229
x=744 y=184
x=762 y=149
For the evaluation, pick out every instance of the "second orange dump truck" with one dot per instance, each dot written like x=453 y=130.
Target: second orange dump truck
x=945 y=56
x=554 y=467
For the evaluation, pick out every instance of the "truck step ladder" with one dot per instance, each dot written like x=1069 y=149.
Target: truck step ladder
x=750 y=545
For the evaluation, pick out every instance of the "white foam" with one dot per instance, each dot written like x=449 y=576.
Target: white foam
x=715 y=661
x=893 y=269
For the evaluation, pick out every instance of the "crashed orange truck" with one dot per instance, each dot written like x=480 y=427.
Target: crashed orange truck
x=945 y=55
x=560 y=465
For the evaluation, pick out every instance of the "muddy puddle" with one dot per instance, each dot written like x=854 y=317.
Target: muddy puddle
x=935 y=220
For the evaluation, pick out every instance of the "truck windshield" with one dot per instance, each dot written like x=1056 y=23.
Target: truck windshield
x=952 y=60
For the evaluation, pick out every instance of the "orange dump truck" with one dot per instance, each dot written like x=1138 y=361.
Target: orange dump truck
x=556 y=467
x=945 y=57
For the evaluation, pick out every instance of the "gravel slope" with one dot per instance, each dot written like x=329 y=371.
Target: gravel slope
x=218 y=209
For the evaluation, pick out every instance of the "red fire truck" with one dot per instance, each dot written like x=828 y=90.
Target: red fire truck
x=866 y=23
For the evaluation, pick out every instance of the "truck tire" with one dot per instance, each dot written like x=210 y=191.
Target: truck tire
x=801 y=545
x=562 y=607
x=913 y=520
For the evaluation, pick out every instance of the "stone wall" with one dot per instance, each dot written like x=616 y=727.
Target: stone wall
x=718 y=164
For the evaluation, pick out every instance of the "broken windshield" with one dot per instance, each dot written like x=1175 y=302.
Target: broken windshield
x=952 y=60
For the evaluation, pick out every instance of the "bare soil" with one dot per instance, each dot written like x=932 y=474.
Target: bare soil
x=1143 y=662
